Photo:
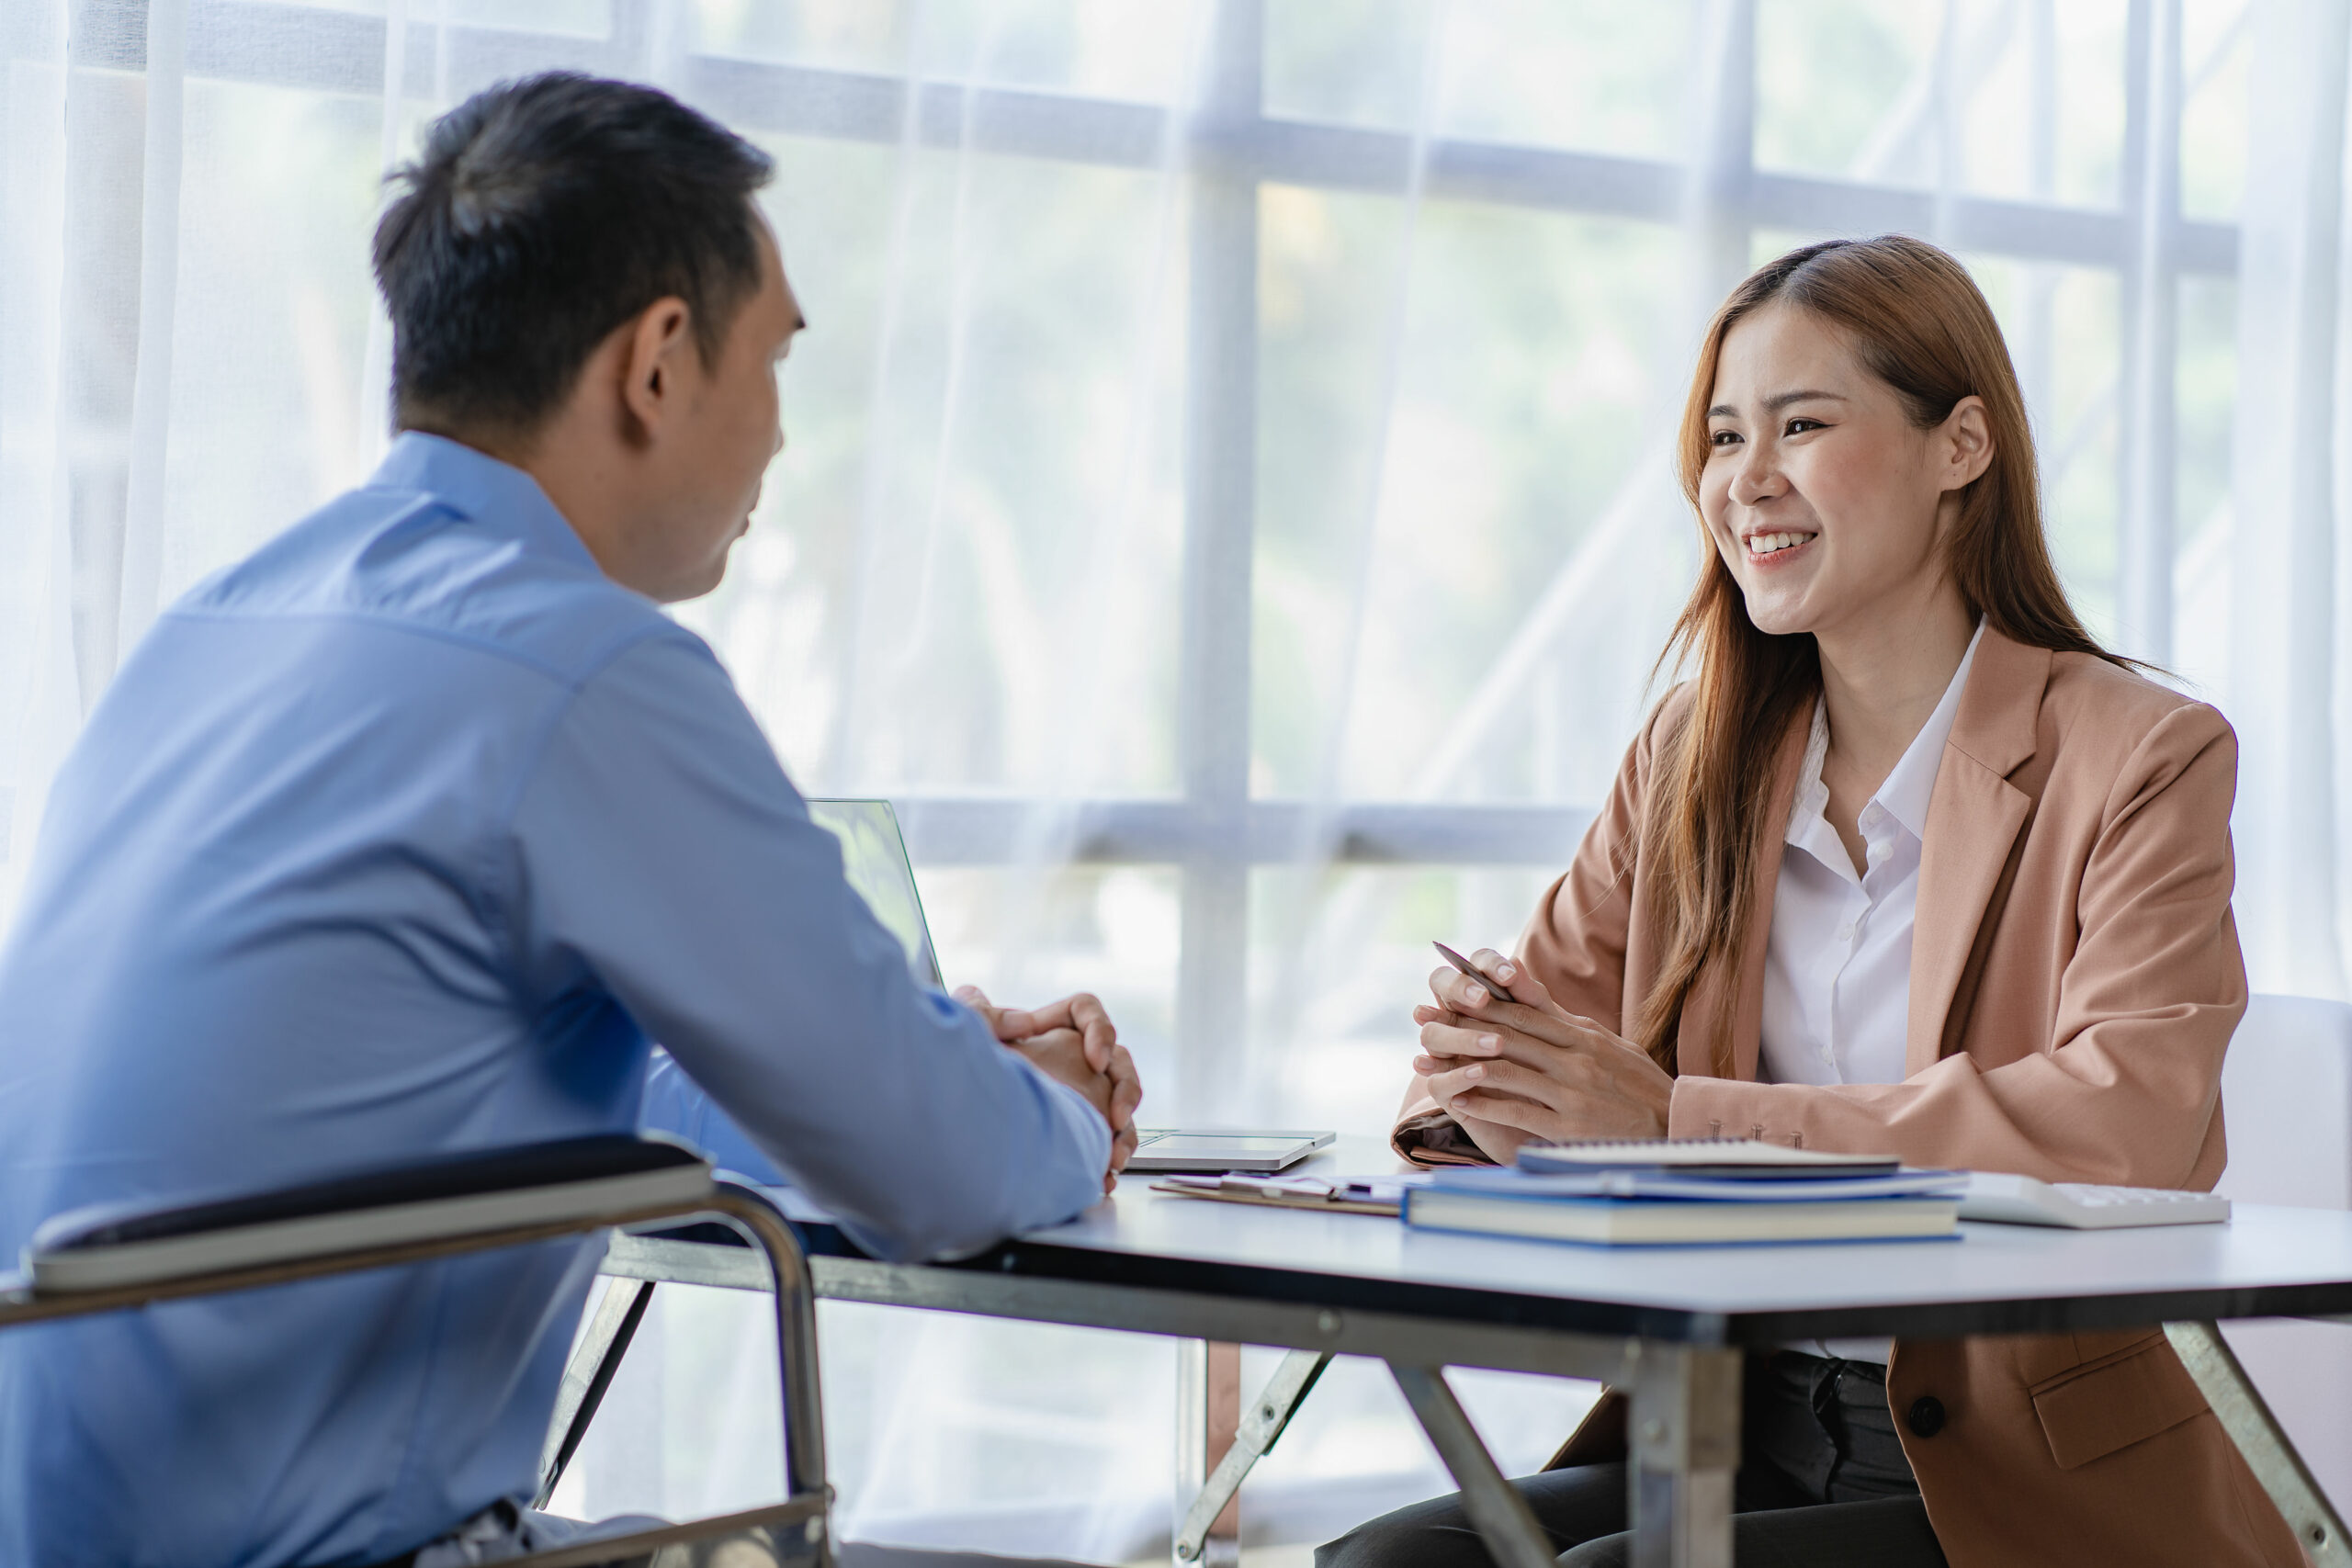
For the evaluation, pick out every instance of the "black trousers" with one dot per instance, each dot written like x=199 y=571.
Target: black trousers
x=1822 y=1484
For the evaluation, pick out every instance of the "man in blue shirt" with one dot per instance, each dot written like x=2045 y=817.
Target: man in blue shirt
x=407 y=834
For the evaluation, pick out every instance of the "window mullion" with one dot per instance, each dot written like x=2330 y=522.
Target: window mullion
x=2149 y=329
x=1213 y=686
x=1721 y=199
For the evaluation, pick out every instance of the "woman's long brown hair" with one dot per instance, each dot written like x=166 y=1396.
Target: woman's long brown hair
x=1920 y=324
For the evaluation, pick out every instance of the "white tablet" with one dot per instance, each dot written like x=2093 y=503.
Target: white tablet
x=1168 y=1148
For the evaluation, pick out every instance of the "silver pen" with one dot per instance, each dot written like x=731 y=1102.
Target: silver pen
x=1467 y=968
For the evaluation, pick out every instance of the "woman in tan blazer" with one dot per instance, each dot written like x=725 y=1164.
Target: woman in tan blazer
x=1912 y=867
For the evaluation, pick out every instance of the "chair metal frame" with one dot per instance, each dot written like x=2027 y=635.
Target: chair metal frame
x=796 y=1529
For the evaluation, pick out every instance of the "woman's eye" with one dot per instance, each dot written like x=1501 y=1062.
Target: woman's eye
x=1724 y=438
x=1798 y=426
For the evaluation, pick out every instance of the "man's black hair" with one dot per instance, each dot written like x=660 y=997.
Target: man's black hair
x=544 y=213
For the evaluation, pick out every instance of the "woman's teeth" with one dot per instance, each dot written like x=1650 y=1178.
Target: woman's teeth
x=1771 y=544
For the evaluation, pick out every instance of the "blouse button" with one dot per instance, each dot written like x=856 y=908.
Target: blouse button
x=1926 y=1417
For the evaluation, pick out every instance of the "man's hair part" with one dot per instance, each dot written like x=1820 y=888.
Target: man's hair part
x=543 y=214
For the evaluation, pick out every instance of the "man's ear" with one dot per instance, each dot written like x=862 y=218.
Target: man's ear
x=657 y=345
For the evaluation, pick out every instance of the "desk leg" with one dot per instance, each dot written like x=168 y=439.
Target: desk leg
x=589 y=1373
x=2267 y=1453
x=1493 y=1504
x=1208 y=1414
x=1685 y=1432
x=1261 y=1427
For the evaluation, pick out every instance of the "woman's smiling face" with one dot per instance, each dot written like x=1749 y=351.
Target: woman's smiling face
x=1820 y=494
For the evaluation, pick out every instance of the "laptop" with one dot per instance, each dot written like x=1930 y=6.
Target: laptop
x=874 y=857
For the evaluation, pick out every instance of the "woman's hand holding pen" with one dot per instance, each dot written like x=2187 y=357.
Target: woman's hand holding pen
x=1528 y=1068
x=1074 y=1040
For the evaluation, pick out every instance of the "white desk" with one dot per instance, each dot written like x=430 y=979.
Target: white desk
x=1667 y=1325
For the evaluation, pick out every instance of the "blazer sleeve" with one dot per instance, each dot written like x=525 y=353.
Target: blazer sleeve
x=2127 y=1090
x=1575 y=944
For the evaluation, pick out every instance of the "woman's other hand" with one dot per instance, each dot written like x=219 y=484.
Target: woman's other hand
x=1529 y=1068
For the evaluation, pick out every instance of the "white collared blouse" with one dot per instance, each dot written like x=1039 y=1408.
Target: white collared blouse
x=1838 y=968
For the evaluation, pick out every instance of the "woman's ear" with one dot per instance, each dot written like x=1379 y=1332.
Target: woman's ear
x=1964 y=442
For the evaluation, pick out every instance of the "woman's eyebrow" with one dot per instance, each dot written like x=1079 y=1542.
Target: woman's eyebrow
x=1779 y=400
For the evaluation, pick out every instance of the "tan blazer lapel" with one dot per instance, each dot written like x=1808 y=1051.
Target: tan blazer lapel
x=1973 y=819
x=1743 y=995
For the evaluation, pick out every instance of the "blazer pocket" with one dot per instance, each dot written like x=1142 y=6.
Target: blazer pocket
x=2136 y=1392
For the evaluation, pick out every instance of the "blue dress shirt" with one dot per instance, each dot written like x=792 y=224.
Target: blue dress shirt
x=400 y=837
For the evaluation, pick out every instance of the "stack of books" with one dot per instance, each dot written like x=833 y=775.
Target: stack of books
x=1690 y=1191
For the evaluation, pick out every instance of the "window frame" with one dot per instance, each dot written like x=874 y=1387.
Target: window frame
x=1215 y=831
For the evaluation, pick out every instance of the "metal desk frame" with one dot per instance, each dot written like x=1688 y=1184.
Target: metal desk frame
x=1683 y=1433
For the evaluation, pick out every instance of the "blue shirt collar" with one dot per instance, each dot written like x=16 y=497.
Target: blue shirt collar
x=479 y=487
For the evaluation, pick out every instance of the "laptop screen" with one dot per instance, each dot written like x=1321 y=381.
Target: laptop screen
x=874 y=858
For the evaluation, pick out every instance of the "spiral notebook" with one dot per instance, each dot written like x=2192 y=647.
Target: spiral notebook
x=1728 y=1159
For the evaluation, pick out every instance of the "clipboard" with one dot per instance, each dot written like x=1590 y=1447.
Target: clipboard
x=1382 y=1196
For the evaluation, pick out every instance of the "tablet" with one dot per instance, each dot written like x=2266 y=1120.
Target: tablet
x=1169 y=1148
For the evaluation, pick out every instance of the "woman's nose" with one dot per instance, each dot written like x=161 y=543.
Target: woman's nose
x=1757 y=479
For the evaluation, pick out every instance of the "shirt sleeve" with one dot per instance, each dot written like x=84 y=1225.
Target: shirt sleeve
x=660 y=854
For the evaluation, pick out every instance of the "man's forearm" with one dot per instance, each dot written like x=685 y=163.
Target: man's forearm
x=981 y=1175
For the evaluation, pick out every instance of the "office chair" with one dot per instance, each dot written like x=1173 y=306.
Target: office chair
x=122 y=1258
x=2287 y=1100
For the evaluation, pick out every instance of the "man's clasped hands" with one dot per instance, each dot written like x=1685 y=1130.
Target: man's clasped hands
x=1075 y=1043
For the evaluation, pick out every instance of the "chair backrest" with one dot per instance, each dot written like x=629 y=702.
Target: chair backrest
x=125 y=1257
x=2287 y=1092
x=441 y=1196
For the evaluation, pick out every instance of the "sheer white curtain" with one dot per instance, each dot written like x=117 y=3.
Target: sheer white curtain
x=2282 y=617
x=1227 y=503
